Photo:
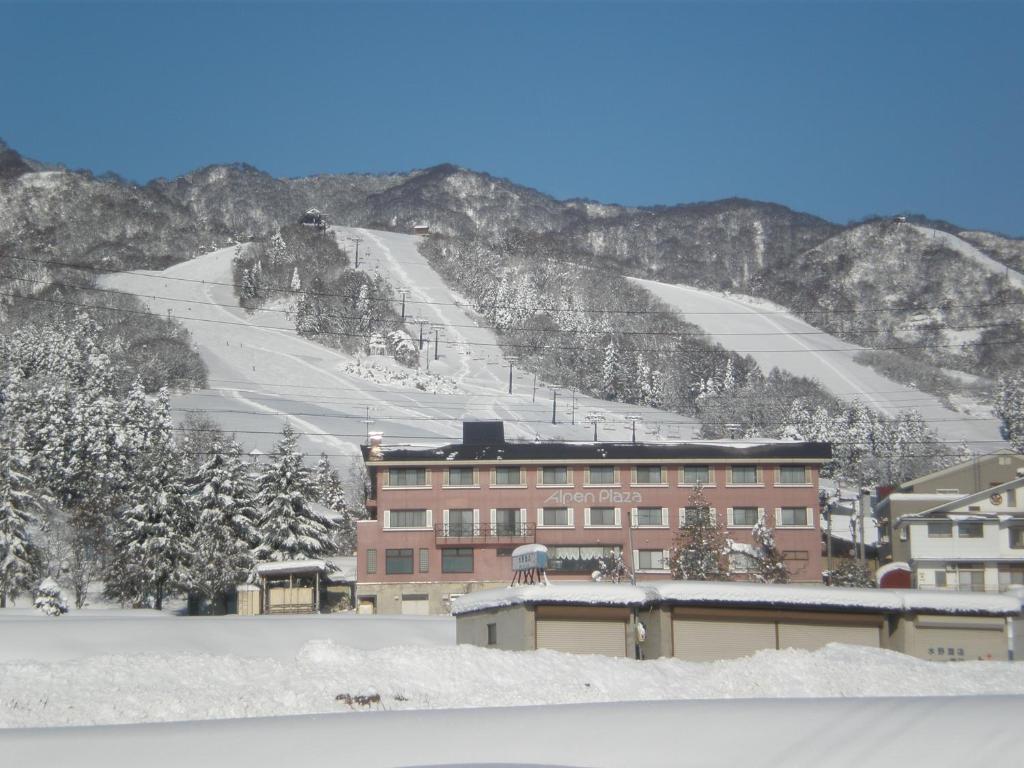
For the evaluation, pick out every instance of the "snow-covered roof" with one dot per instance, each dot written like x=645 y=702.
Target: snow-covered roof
x=291 y=566
x=344 y=568
x=741 y=594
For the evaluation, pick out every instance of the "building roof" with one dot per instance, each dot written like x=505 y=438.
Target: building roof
x=741 y=594
x=949 y=470
x=589 y=451
x=959 y=502
x=291 y=566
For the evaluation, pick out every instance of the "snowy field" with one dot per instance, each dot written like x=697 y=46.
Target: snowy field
x=452 y=704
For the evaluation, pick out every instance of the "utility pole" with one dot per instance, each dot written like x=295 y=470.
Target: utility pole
x=595 y=419
x=368 y=421
x=511 y=360
x=436 y=342
x=404 y=292
x=554 y=405
x=357 y=241
x=534 y=384
x=574 y=405
x=634 y=420
x=865 y=509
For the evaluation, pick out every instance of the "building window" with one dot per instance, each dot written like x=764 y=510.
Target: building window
x=793 y=516
x=795 y=554
x=457 y=560
x=940 y=579
x=743 y=474
x=509 y=522
x=554 y=476
x=696 y=515
x=460 y=522
x=742 y=562
x=1016 y=538
x=793 y=476
x=601 y=476
x=940 y=530
x=744 y=517
x=649 y=517
x=970 y=531
x=556 y=517
x=424 y=561
x=407 y=518
x=492 y=634
x=397 y=561
x=578 y=559
x=649 y=475
x=407 y=477
x=371 y=561
x=697 y=475
x=652 y=560
x=508 y=476
x=504 y=551
x=461 y=477
x=602 y=516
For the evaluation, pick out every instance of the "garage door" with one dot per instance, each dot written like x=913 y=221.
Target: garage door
x=811 y=636
x=415 y=605
x=709 y=640
x=607 y=638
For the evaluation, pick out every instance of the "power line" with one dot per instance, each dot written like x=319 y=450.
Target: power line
x=700 y=333
x=534 y=347
x=539 y=308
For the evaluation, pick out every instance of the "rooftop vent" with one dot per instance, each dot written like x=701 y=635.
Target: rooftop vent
x=483 y=432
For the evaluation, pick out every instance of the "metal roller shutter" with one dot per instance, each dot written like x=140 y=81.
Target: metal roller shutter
x=607 y=638
x=713 y=639
x=811 y=636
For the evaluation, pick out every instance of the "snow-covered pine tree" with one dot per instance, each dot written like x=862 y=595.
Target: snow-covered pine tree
x=610 y=374
x=19 y=505
x=699 y=552
x=331 y=493
x=150 y=553
x=1009 y=407
x=769 y=566
x=225 y=529
x=289 y=528
x=49 y=599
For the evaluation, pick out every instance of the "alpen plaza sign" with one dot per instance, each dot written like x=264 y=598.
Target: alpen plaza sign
x=594 y=498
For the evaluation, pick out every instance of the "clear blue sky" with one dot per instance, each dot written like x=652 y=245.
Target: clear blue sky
x=839 y=109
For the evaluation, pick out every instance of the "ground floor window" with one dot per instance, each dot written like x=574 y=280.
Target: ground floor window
x=398 y=561
x=457 y=560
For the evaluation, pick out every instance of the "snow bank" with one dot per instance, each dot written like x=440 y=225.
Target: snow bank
x=136 y=688
x=736 y=593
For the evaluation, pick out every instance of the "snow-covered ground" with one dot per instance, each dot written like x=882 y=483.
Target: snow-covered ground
x=951 y=241
x=776 y=338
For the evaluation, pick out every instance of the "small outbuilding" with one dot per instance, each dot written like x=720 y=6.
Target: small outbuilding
x=421 y=229
x=291 y=586
x=708 y=621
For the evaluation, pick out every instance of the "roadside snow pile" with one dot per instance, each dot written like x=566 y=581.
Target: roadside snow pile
x=328 y=677
x=381 y=373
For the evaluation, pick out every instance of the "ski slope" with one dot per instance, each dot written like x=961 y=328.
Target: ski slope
x=776 y=338
x=262 y=373
x=951 y=241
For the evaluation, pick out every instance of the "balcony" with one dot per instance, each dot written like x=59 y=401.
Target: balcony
x=461 y=535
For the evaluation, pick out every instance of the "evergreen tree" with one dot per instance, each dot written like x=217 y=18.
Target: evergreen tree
x=769 y=566
x=289 y=528
x=49 y=599
x=699 y=552
x=19 y=558
x=225 y=528
x=1009 y=407
x=610 y=374
x=331 y=493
